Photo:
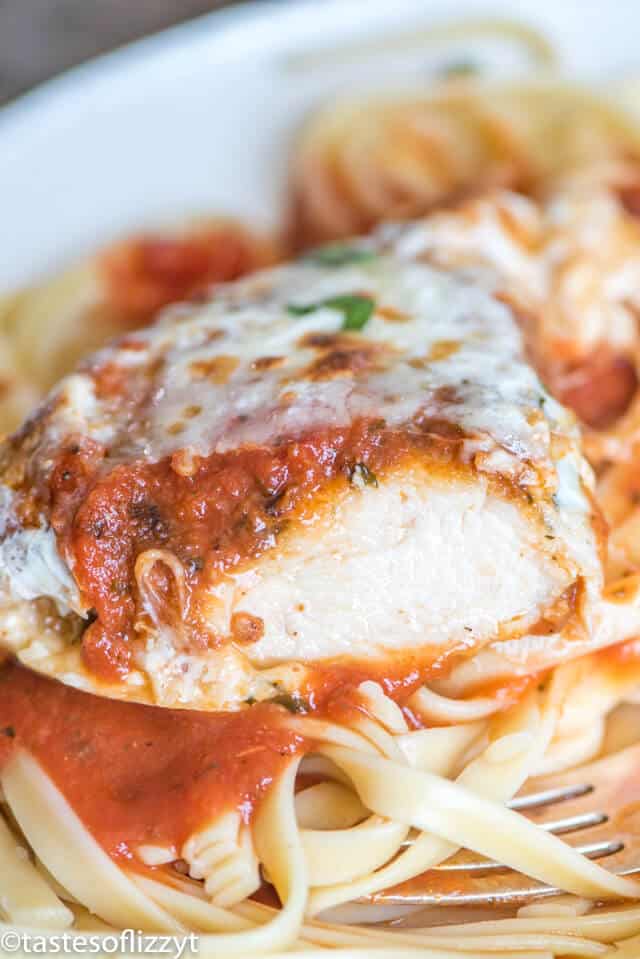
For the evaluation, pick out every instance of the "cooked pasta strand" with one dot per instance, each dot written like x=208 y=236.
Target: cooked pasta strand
x=25 y=897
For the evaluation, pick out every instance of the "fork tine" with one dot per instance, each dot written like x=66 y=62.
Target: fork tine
x=560 y=827
x=594 y=850
x=601 y=806
x=512 y=896
x=547 y=797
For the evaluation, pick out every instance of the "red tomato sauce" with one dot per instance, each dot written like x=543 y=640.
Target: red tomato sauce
x=140 y=774
x=146 y=273
x=328 y=687
x=600 y=389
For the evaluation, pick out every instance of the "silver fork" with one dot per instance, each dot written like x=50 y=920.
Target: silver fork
x=596 y=807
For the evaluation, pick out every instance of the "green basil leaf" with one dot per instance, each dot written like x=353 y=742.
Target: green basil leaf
x=339 y=254
x=299 y=310
x=357 y=311
x=355 y=308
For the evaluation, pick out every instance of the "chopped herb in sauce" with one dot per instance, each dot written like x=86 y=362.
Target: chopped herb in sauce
x=361 y=476
x=9 y=732
x=292 y=702
x=339 y=254
x=356 y=308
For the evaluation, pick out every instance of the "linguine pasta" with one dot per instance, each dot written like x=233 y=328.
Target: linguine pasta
x=443 y=798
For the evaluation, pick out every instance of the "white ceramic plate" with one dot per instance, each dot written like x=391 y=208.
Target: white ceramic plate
x=200 y=118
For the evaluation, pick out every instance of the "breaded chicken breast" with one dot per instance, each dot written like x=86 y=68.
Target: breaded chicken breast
x=340 y=469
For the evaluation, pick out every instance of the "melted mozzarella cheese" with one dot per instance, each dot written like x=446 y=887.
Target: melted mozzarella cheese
x=494 y=391
x=573 y=259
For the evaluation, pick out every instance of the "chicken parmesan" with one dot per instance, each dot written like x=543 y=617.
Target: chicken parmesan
x=336 y=470
x=320 y=590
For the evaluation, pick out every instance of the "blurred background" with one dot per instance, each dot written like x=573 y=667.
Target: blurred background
x=39 y=38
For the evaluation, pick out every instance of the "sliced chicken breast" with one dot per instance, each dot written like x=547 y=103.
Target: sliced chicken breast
x=335 y=470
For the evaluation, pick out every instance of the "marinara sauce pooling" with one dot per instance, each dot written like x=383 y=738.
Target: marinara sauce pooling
x=141 y=774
